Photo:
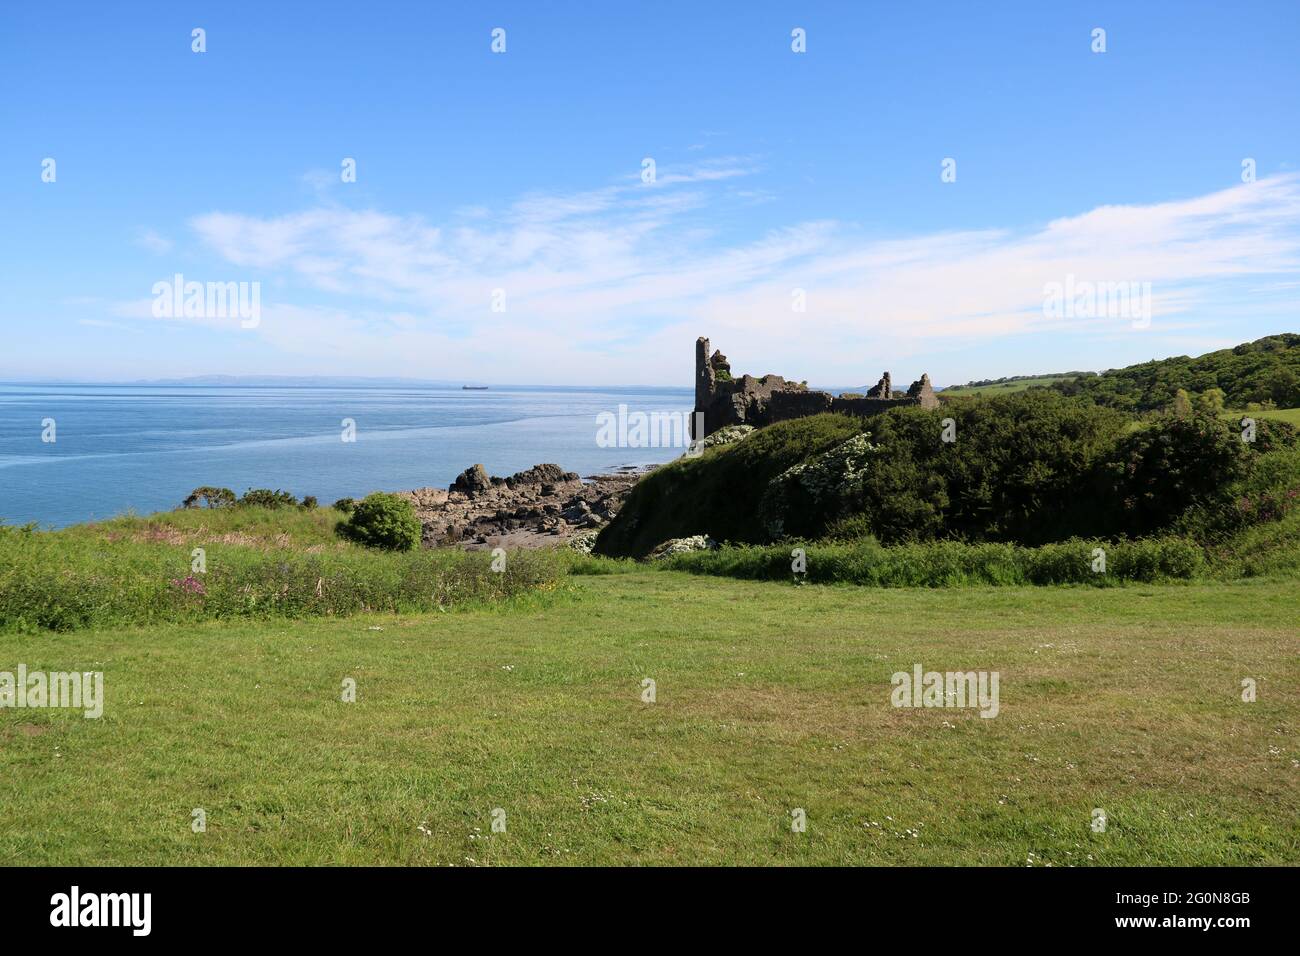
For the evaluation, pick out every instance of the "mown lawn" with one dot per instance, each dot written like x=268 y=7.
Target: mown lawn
x=770 y=697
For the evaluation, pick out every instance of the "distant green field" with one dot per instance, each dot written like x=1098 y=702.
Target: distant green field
x=1291 y=415
x=1004 y=388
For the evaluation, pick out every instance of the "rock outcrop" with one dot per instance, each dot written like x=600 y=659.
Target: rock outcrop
x=472 y=481
x=543 y=504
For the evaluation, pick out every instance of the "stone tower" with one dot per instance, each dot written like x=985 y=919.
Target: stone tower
x=884 y=388
x=923 y=392
x=704 y=378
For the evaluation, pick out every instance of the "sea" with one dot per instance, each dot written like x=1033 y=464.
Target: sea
x=73 y=453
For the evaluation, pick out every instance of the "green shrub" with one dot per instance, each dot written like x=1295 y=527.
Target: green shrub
x=309 y=502
x=1175 y=464
x=718 y=493
x=817 y=491
x=1063 y=562
x=1271 y=435
x=345 y=505
x=1021 y=468
x=1269 y=491
x=1155 y=559
x=210 y=496
x=1028 y=468
x=853 y=527
x=265 y=498
x=1272 y=548
x=385 y=521
x=954 y=563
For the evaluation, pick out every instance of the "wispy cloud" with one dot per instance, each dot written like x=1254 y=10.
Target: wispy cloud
x=633 y=272
x=148 y=239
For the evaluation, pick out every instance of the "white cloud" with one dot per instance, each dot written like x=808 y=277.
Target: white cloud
x=629 y=274
x=158 y=245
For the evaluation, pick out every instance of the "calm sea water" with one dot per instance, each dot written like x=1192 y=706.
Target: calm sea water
x=144 y=448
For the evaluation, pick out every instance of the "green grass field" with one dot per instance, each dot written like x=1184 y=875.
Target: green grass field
x=770 y=697
x=1291 y=415
x=1002 y=388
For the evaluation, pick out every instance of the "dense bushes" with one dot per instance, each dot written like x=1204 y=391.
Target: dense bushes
x=956 y=563
x=1158 y=473
x=818 y=491
x=65 y=580
x=718 y=494
x=382 y=520
x=214 y=497
x=1017 y=468
x=1268 y=491
x=210 y=496
x=1265 y=548
x=1196 y=474
x=1027 y=468
x=266 y=498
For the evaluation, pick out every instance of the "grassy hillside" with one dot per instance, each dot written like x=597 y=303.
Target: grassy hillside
x=1005 y=386
x=1266 y=370
x=235 y=562
x=249 y=526
x=768 y=698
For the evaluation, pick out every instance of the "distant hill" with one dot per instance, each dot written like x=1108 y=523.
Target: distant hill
x=301 y=381
x=1266 y=371
x=1012 y=383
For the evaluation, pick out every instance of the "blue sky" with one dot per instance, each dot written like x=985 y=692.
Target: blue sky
x=521 y=171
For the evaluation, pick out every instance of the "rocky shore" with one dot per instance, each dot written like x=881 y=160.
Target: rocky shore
x=543 y=505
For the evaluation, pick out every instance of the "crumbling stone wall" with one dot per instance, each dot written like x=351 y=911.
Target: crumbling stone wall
x=785 y=405
x=724 y=400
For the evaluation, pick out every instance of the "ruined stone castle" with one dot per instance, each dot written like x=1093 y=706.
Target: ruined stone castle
x=725 y=400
